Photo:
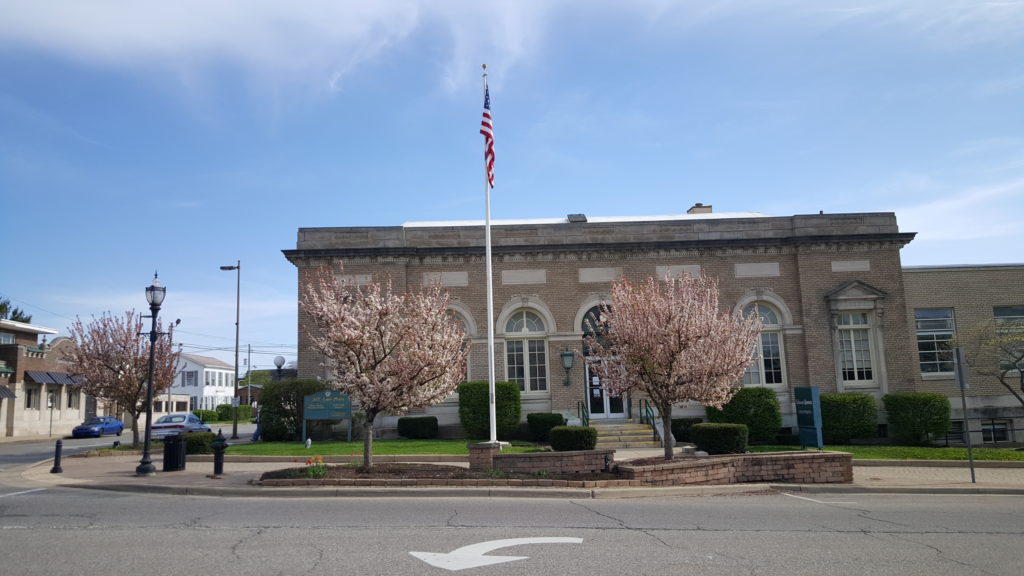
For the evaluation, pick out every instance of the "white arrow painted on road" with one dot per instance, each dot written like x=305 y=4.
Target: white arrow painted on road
x=472 y=556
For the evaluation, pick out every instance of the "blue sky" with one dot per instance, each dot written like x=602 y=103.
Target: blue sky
x=182 y=136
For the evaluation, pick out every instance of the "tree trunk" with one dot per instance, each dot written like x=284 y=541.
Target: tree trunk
x=666 y=430
x=368 y=439
x=135 y=432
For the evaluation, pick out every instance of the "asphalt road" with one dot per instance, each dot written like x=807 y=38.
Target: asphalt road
x=67 y=531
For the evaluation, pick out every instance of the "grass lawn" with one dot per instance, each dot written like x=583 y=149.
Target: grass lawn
x=910 y=452
x=380 y=448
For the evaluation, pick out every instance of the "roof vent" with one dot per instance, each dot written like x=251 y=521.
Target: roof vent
x=577 y=218
x=699 y=208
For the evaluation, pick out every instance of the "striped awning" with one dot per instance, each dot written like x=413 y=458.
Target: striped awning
x=6 y=392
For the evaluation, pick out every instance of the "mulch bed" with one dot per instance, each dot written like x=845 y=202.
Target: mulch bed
x=401 y=471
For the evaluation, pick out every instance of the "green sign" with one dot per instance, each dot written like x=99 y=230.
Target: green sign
x=808 y=415
x=327 y=405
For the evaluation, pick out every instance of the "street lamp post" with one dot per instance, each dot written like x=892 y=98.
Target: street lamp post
x=155 y=297
x=279 y=362
x=238 y=309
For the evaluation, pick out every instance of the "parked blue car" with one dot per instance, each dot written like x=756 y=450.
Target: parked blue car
x=98 y=426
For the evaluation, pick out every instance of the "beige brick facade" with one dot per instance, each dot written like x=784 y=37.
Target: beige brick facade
x=814 y=271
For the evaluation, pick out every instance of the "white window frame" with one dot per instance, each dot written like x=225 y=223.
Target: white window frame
x=771 y=329
x=532 y=383
x=936 y=328
x=852 y=334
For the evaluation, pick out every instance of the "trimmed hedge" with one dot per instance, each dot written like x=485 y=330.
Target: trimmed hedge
x=224 y=412
x=848 y=416
x=199 y=442
x=720 y=438
x=417 y=427
x=681 y=428
x=541 y=423
x=569 y=438
x=474 y=409
x=917 y=418
x=206 y=415
x=757 y=407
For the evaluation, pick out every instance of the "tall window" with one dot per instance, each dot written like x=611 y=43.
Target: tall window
x=1010 y=320
x=73 y=398
x=767 y=369
x=854 y=333
x=526 y=352
x=935 y=331
x=190 y=378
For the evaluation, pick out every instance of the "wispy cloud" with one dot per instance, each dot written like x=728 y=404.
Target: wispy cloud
x=988 y=211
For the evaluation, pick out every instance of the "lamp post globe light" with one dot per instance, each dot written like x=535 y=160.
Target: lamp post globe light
x=279 y=362
x=238 y=309
x=155 y=297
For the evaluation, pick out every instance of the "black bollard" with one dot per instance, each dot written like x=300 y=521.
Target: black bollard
x=219 y=446
x=56 y=458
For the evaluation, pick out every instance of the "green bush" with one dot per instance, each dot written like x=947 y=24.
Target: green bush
x=916 y=418
x=681 y=428
x=225 y=413
x=541 y=423
x=569 y=438
x=848 y=416
x=757 y=407
x=199 y=443
x=417 y=427
x=720 y=438
x=474 y=409
x=206 y=415
x=281 y=419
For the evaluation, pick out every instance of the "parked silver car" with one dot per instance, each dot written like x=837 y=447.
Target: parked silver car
x=178 y=424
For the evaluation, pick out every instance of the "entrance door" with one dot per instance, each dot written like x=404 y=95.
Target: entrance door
x=601 y=404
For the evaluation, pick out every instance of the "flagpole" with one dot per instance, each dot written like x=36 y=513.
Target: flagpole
x=492 y=410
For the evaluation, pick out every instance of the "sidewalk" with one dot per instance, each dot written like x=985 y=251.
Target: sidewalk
x=242 y=473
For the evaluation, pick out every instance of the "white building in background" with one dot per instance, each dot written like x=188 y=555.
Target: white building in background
x=208 y=382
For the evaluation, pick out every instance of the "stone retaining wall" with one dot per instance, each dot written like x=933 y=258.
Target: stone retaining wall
x=789 y=467
x=553 y=463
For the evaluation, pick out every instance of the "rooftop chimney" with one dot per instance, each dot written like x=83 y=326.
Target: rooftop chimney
x=699 y=208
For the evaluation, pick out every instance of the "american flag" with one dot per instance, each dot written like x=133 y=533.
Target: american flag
x=487 y=129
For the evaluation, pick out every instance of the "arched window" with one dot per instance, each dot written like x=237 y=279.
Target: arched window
x=767 y=370
x=593 y=325
x=526 y=351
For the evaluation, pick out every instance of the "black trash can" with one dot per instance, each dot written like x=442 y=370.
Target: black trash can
x=174 y=453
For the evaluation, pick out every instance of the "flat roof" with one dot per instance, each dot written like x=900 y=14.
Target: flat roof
x=590 y=219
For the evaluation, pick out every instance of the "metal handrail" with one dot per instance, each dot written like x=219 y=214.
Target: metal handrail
x=583 y=413
x=648 y=418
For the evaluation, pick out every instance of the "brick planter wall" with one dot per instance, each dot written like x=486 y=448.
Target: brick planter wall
x=790 y=467
x=574 y=462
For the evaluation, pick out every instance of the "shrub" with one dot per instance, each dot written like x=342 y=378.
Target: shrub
x=757 y=407
x=206 y=415
x=474 y=409
x=224 y=412
x=720 y=438
x=199 y=443
x=681 y=428
x=916 y=418
x=848 y=416
x=417 y=427
x=568 y=438
x=281 y=419
x=541 y=423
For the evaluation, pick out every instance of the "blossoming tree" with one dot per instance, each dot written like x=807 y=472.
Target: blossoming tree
x=669 y=340
x=111 y=353
x=389 y=352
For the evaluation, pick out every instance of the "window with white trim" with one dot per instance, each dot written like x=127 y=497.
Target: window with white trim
x=1010 y=321
x=854 y=334
x=526 y=352
x=767 y=369
x=935 y=333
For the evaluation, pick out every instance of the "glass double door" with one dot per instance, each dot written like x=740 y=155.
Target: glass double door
x=602 y=404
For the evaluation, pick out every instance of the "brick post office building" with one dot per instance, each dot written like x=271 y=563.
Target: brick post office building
x=831 y=290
